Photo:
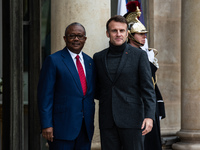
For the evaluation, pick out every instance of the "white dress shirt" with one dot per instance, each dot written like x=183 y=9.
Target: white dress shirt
x=73 y=55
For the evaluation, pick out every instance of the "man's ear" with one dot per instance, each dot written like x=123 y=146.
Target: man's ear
x=64 y=37
x=127 y=33
x=108 y=34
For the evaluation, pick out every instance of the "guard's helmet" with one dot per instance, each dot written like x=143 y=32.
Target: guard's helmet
x=134 y=25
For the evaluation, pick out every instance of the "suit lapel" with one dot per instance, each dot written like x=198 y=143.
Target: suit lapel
x=104 y=62
x=67 y=59
x=122 y=62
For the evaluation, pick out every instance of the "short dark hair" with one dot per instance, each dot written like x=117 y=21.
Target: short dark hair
x=116 y=18
x=75 y=24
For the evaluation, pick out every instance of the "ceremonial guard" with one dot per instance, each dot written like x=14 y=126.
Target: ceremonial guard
x=137 y=38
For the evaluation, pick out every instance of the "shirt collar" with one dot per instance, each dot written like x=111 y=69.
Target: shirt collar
x=74 y=54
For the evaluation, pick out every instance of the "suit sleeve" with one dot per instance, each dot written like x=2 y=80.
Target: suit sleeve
x=46 y=92
x=146 y=86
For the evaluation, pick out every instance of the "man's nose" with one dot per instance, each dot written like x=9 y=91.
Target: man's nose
x=118 y=33
x=76 y=38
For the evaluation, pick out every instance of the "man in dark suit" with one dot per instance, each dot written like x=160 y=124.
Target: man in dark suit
x=125 y=91
x=66 y=94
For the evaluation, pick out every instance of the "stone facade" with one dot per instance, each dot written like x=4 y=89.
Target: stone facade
x=164 y=25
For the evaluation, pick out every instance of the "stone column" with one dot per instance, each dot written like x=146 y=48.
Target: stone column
x=165 y=33
x=190 y=81
x=93 y=15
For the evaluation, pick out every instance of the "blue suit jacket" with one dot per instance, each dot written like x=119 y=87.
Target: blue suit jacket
x=61 y=102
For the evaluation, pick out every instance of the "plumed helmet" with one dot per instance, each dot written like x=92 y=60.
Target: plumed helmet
x=132 y=17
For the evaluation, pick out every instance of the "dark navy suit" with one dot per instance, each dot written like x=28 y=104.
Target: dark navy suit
x=61 y=102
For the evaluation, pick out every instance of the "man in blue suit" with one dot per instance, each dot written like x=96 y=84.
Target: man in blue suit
x=66 y=94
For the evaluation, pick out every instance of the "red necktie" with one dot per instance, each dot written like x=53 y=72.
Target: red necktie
x=81 y=75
